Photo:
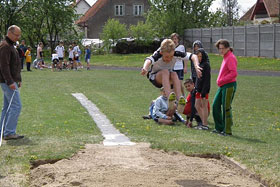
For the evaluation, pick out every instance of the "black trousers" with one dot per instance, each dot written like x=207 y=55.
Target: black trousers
x=28 y=66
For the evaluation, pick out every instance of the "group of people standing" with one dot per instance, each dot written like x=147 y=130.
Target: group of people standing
x=59 y=59
x=73 y=61
x=165 y=69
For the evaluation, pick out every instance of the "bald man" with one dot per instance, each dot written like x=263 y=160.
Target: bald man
x=10 y=81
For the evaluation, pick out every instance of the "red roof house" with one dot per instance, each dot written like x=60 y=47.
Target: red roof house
x=128 y=12
x=264 y=11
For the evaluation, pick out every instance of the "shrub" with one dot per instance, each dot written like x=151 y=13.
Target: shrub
x=126 y=47
x=112 y=32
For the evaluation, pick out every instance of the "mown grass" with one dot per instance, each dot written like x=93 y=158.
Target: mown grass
x=57 y=126
x=54 y=123
x=137 y=60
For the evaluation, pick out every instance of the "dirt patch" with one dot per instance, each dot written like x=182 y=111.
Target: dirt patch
x=37 y=163
x=137 y=165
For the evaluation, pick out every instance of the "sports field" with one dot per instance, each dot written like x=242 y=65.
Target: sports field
x=56 y=126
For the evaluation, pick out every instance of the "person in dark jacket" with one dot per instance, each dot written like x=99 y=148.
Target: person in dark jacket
x=196 y=45
x=24 y=49
x=20 y=54
x=203 y=88
x=10 y=81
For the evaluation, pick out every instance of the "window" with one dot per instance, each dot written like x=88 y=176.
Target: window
x=119 y=10
x=138 y=10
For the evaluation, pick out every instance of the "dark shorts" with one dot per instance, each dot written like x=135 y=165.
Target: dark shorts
x=152 y=79
x=55 y=61
x=76 y=58
x=60 y=58
x=180 y=74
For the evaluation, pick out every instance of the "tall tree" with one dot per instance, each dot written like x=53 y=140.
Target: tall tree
x=218 y=19
x=231 y=9
x=10 y=13
x=33 y=24
x=41 y=20
x=169 y=16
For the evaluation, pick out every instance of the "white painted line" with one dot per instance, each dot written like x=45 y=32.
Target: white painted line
x=111 y=134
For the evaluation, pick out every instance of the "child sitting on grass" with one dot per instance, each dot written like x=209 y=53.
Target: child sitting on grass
x=203 y=88
x=161 y=73
x=162 y=113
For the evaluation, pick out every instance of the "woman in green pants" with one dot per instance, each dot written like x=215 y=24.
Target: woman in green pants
x=226 y=81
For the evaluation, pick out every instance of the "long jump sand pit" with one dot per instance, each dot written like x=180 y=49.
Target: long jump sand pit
x=137 y=165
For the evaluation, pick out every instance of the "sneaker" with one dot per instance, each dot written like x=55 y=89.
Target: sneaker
x=225 y=134
x=204 y=127
x=215 y=131
x=171 y=100
x=198 y=127
x=147 y=117
x=13 y=137
x=181 y=104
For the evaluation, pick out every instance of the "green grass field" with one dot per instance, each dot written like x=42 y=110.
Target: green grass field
x=137 y=60
x=56 y=126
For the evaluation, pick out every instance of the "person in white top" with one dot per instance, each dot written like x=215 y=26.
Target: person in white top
x=60 y=52
x=71 y=58
x=77 y=51
x=180 y=66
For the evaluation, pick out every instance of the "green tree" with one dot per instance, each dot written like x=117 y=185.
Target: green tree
x=32 y=22
x=40 y=20
x=142 y=32
x=113 y=31
x=169 y=16
x=53 y=18
x=10 y=13
x=218 y=19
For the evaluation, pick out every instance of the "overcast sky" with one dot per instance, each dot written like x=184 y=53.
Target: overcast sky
x=244 y=5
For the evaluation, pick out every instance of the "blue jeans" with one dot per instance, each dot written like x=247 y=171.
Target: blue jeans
x=11 y=116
